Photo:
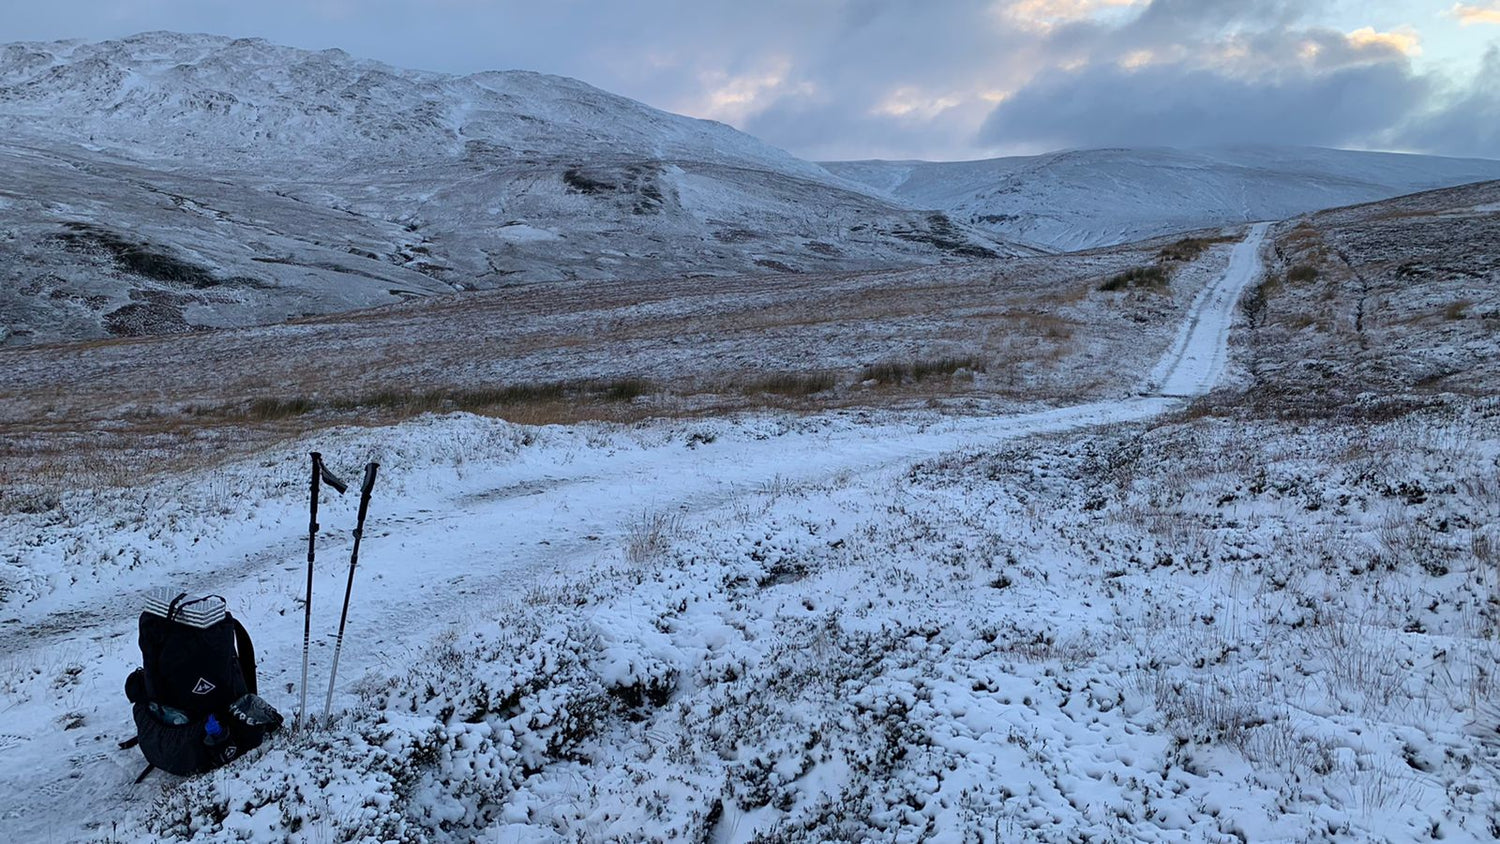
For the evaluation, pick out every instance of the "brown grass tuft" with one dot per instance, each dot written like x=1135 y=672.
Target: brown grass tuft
x=1189 y=248
x=1150 y=277
x=896 y=372
x=792 y=384
x=1302 y=273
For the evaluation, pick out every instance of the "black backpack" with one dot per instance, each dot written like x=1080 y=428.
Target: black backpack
x=194 y=698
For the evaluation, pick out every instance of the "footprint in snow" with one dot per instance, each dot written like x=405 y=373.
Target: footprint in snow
x=89 y=760
x=64 y=786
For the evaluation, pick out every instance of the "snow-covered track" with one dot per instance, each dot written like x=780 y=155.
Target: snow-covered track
x=1197 y=357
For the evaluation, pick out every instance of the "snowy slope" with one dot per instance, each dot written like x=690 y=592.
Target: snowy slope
x=560 y=501
x=1090 y=198
x=847 y=626
x=295 y=181
x=176 y=98
x=1269 y=618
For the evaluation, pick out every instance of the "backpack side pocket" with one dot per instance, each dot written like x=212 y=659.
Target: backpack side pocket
x=174 y=748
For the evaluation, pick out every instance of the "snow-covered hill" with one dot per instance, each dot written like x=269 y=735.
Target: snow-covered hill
x=1271 y=617
x=197 y=180
x=1090 y=198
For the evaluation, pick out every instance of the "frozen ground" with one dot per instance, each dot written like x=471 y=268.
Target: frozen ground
x=1255 y=616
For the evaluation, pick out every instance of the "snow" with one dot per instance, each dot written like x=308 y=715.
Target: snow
x=1084 y=199
x=521 y=232
x=856 y=623
x=296 y=182
x=1197 y=358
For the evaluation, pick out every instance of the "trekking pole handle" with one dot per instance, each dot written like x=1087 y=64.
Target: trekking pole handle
x=365 y=489
x=369 y=483
x=328 y=477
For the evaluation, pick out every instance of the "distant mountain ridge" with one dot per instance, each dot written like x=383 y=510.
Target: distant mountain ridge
x=262 y=182
x=1090 y=198
x=172 y=96
x=167 y=182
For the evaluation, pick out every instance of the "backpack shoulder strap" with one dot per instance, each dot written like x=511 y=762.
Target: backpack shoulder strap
x=176 y=605
x=246 y=651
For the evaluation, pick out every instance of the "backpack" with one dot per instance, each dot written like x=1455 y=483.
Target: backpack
x=194 y=697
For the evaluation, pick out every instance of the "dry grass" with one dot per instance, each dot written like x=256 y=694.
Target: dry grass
x=651 y=535
x=796 y=384
x=404 y=404
x=1302 y=274
x=1025 y=330
x=1151 y=278
x=1379 y=301
x=272 y=409
x=1189 y=248
x=901 y=372
x=1304 y=236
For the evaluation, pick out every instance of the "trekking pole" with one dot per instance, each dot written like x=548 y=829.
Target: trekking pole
x=359 y=530
x=319 y=471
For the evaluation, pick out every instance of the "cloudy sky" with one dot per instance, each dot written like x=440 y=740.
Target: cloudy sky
x=935 y=79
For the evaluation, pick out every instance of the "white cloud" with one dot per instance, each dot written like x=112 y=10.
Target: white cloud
x=910 y=102
x=1405 y=40
x=1469 y=15
x=1043 y=15
x=734 y=98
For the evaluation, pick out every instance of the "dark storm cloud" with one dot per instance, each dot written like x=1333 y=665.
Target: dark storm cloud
x=1177 y=103
x=831 y=131
x=1199 y=16
x=1469 y=124
x=846 y=88
x=1204 y=72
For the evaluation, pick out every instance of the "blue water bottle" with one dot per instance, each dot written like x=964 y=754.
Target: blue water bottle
x=213 y=732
